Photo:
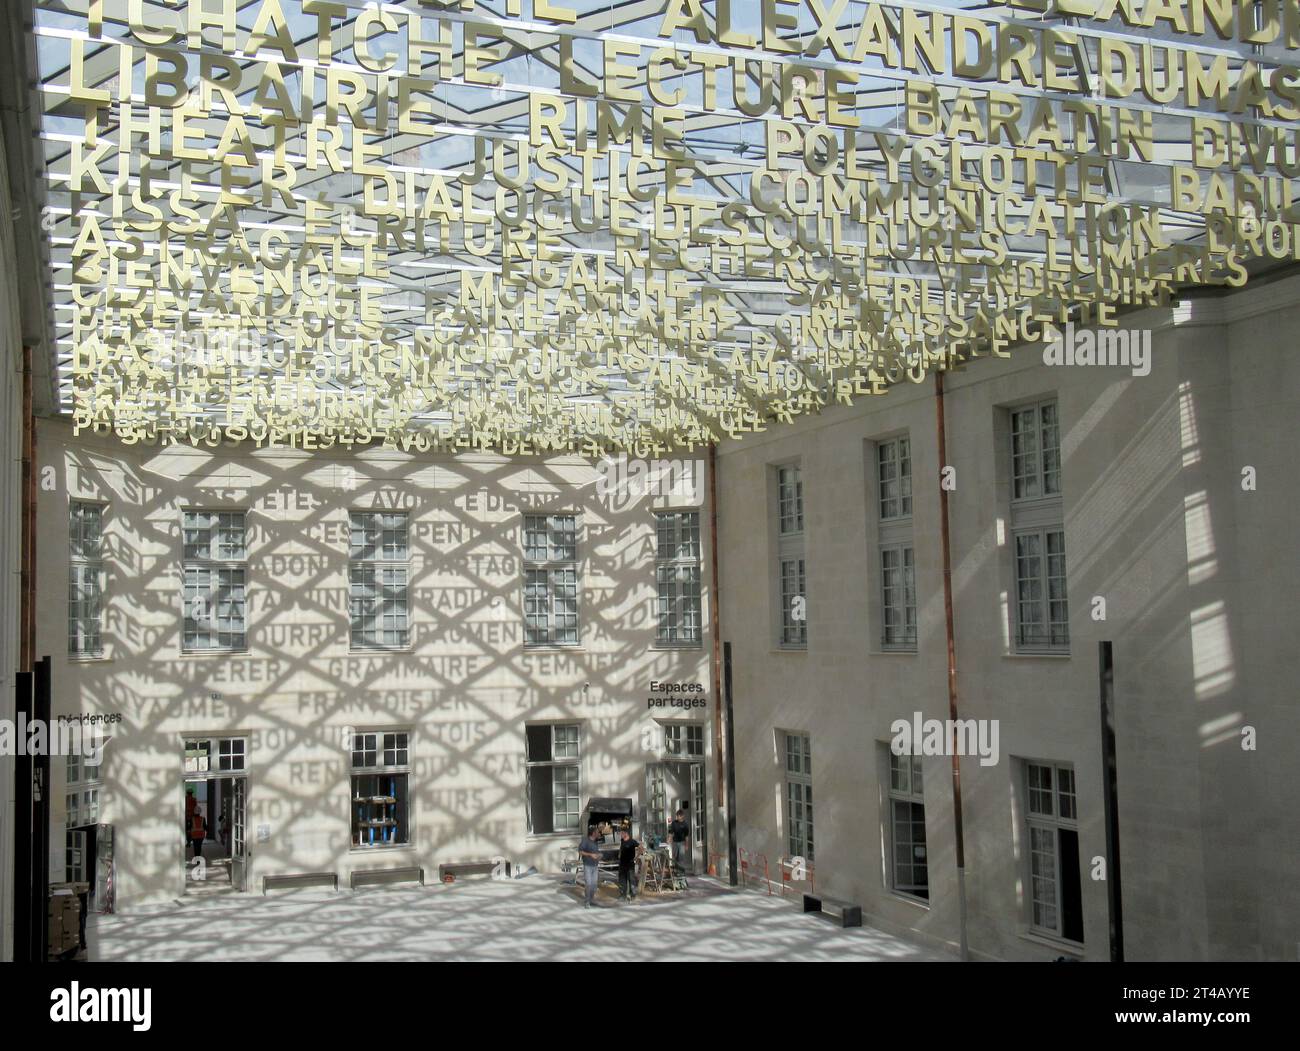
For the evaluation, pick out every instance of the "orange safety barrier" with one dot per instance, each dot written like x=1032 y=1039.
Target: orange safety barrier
x=787 y=874
x=749 y=866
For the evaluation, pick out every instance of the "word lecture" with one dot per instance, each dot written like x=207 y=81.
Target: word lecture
x=427 y=224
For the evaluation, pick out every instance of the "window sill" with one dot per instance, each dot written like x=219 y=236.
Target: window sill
x=893 y=652
x=380 y=651
x=670 y=646
x=87 y=658
x=555 y=647
x=1032 y=655
x=216 y=653
x=384 y=848
x=1050 y=942
x=549 y=837
x=908 y=899
x=790 y=649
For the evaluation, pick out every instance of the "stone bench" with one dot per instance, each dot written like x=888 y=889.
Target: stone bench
x=300 y=879
x=846 y=913
x=457 y=869
x=377 y=877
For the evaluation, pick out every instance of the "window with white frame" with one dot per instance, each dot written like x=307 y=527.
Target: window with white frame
x=1052 y=820
x=798 y=795
x=1035 y=452
x=897 y=597
x=230 y=755
x=381 y=770
x=908 y=868
x=214 y=570
x=789 y=485
x=81 y=791
x=894 y=478
x=75 y=857
x=677 y=578
x=896 y=593
x=551 y=580
x=85 y=579
x=794 y=620
x=791 y=579
x=1041 y=608
x=684 y=739
x=554 y=766
x=378 y=578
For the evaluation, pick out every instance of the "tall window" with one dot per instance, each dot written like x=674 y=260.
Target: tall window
x=798 y=795
x=82 y=791
x=551 y=580
x=554 y=778
x=81 y=796
x=1035 y=452
x=381 y=770
x=898 y=597
x=1042 y=615
x=790 y=557
x=908 y=864
x=677 y=577
x=897 y=591
x=85 y=579
x=894 y=475
x=1052 y=817
x=790 y=499
x=1042 y=610
x=378 y=575
x=215 y=574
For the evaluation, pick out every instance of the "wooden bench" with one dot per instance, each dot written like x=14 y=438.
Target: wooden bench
x=457 y=869
x=375 y=877
x=301 y=879
x=849 y=915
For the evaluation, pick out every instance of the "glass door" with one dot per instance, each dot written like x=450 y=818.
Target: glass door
x=656 y=811
x=238 y=834
x=699 y=845
x=104 y=875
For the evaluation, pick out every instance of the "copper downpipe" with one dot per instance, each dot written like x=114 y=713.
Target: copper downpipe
x=958 y=831
x=714 y=629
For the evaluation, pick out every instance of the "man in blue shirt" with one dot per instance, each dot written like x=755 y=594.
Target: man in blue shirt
x=589 y=851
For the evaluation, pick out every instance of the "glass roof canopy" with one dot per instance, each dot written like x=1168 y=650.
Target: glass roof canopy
x=520 y=224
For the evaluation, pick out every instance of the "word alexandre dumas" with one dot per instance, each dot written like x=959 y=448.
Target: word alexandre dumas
x=305 y=222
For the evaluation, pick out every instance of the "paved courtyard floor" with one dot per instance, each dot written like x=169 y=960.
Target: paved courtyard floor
x=538 y=917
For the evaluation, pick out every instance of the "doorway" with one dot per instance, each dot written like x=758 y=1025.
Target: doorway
x=673 y=786
x=214 y=818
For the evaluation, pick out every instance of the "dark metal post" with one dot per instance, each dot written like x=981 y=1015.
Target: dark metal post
x=733 y=874
x=41 y=816
x=1106 y=675
x=22 y=822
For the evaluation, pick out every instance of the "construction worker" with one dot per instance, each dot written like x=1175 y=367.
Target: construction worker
x=628 y=852
x=589 y=851
x=198 y=831
x=679 y=835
